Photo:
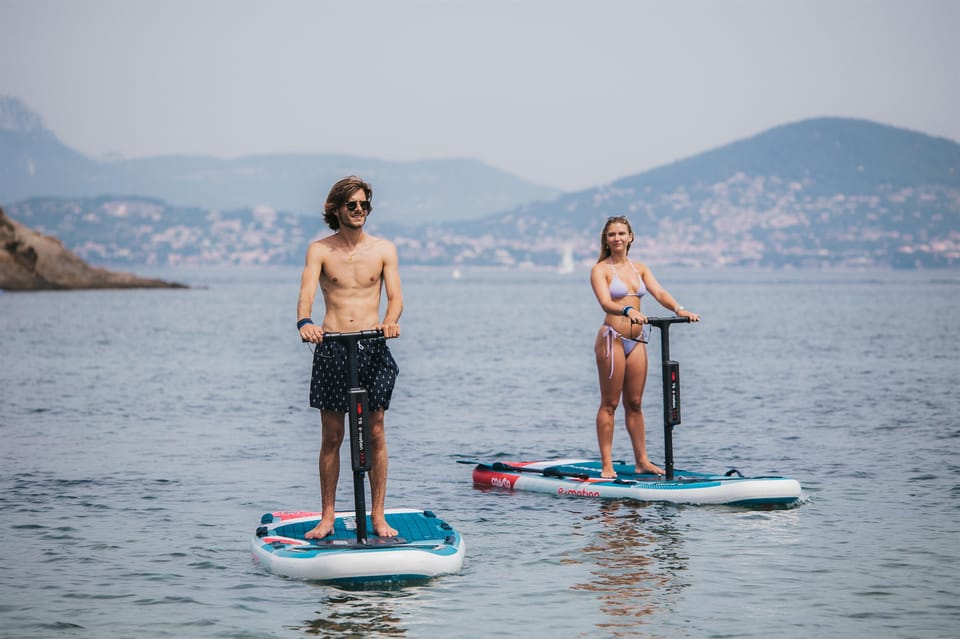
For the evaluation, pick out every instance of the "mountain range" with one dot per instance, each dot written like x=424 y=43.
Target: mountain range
x=821 y=193
x=818 y=193
x=35 y=163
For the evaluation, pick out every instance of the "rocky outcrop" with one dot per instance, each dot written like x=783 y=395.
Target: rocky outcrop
x=31 y=261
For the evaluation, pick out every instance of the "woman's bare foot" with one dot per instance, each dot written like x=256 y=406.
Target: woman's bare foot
x=321 y=530
x=648 y=467
x=607 y=472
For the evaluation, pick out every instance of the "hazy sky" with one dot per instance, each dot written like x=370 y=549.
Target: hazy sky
x=567 y=93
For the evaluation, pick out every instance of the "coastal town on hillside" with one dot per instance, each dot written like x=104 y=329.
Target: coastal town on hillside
x=761 y=226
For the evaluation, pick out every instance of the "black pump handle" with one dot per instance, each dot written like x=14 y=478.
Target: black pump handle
x=660 y=322
x=352 y=335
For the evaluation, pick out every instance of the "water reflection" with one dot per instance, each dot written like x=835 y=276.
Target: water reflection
x=639 y=566
x=348 y=616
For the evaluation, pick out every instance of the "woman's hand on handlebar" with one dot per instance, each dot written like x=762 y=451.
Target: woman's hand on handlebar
x=636 y=317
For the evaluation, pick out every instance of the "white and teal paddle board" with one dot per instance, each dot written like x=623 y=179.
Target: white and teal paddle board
x=425 y=547
x=581 y=478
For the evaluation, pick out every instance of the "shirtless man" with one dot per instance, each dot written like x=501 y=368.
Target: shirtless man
x=351 y=268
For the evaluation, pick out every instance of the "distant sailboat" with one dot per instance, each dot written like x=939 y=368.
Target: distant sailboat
x=567 y=264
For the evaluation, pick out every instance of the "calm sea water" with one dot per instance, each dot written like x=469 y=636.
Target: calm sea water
x=144 y=432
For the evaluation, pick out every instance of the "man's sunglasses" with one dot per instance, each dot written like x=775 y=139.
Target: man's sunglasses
x=365 y=205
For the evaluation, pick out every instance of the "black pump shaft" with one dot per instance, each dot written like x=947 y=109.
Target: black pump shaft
x=671 y=386
x=359 y=424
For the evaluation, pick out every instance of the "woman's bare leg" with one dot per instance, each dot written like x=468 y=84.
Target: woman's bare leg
x=635 y=379
x=610 y=388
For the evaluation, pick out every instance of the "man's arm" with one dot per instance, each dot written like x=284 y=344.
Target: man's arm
x=309 y=281
x=391 y=283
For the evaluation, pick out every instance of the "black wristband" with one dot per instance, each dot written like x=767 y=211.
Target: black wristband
x=304 y=322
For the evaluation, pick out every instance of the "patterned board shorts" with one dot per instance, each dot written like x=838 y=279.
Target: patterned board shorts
x=329 y=385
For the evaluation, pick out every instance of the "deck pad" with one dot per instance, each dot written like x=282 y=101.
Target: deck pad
x=410 y=526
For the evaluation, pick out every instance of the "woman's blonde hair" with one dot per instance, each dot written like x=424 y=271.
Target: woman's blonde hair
x=604 y=248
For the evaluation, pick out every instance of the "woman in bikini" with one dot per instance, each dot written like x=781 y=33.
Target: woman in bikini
x=619 y=284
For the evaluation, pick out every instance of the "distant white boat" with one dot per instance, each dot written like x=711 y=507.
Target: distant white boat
x=567 y=264
x=456 y=274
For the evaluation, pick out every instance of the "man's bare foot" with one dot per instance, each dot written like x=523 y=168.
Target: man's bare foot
x=382 y=529
x=321 y=530
x=648 y=467
x=608 y=473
